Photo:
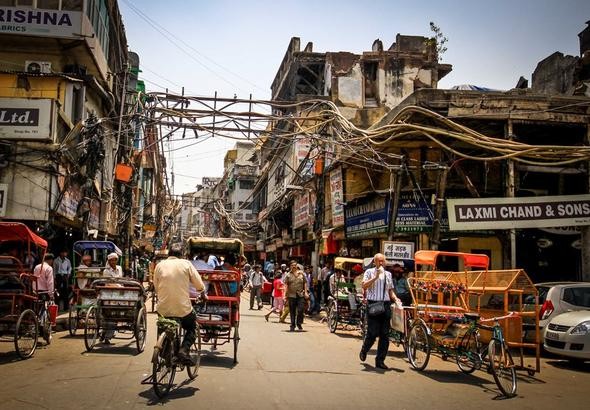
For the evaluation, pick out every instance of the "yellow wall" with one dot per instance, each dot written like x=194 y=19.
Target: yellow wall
x=40 y=87
x=467 y=244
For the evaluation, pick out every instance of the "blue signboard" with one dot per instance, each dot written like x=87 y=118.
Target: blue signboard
x=414 y=214
x=367 y=217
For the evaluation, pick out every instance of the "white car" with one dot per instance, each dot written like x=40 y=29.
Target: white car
x=568 y=335
x=556 y=298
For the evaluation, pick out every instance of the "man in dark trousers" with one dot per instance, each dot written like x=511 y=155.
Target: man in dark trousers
x=378 y=284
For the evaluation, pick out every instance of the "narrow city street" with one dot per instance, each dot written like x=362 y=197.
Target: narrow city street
x=276 y=369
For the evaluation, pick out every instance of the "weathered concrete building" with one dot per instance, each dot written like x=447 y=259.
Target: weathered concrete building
x=63 y=74
x=363 y=87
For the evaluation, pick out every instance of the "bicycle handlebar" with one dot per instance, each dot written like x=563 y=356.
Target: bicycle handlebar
x=498 y=318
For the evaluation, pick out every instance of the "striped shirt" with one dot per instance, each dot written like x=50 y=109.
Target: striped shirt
x=375 y=292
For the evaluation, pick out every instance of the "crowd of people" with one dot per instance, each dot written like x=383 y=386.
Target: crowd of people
x=299 y=290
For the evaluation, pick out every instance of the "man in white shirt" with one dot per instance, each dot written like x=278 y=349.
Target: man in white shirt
x=44 y=274
x=256 y=281
x=112 y=269
x=171 y=282
x=62 y=267
x=378 y=284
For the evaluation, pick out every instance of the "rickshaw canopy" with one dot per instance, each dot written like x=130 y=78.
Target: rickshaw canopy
x=216 y=244
x=82 y=246
x=340 y=262
x=16 y=231
x=470 y=260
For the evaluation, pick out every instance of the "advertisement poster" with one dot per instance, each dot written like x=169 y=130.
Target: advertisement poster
x=337 y=192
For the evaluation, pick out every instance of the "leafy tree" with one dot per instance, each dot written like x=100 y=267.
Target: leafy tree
x=439 y=40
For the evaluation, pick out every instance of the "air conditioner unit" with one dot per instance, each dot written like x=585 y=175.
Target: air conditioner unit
x=37 y=67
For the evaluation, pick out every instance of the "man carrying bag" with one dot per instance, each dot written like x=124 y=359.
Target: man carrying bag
x=379 y=287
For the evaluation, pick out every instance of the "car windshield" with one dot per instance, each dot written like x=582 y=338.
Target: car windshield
x=577 y=296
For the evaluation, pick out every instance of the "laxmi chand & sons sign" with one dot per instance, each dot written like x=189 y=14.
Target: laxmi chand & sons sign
x=510 y=213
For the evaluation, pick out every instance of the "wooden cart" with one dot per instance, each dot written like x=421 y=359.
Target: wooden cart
x=219 y=317
x=493 y=293
x=23 y=315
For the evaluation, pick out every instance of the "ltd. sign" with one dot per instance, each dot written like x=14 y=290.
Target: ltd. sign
x=25 y=119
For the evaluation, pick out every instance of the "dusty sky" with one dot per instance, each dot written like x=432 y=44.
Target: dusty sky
x=235 y=47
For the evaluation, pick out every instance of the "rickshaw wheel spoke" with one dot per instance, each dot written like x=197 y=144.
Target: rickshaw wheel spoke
x=333 y=317
x=195 y=354
x=26 y=334
x=163 y=367
x=73 y=320
x=140 y=329
x=502 y=366
x=236 y=341
x=418 y=347
x=91 y=328
x=468 y=355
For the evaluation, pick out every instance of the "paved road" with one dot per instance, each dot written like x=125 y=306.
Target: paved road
x=277 y=369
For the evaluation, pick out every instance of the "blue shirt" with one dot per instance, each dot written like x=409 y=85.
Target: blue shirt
x=213 y=261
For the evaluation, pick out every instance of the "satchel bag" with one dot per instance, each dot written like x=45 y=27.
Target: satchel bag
x=378 y=308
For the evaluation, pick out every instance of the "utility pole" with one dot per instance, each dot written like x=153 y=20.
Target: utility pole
x=395 y=186
x=441 y=185
x=115 y=152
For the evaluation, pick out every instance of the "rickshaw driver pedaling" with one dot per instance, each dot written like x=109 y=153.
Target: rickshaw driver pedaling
x=171 y=281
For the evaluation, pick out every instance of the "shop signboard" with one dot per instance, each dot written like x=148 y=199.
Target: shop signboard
x=397 y=250
x=25 y=118
x=27 y=21
x=522 y=212
x=303 y=154
x=415 y=215
x=368 y=217
x=337 y=197
x=301 y=210
x=69 y=201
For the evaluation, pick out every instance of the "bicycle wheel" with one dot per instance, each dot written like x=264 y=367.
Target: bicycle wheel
x=72 y=320
x=154 y=298
x=502 y=366
x=236 y=341
x=418 y=346
x=26 y=333
x=163 y=366
x=469 y=353
x=45 y=327
x=140 y=330
x=364 y=324
x=333 y=317
x=91 y=328
x=195 y=354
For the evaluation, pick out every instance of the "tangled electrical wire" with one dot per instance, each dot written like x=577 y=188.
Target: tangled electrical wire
x=329 y=133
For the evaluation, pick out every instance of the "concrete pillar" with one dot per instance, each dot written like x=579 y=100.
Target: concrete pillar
x=510 y=192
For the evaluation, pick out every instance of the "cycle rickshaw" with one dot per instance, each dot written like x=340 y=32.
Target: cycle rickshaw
x=219 y=317
x=118 y=311
x=83 y=294
x=346 y=304
x=446 y=321
x=23 y=313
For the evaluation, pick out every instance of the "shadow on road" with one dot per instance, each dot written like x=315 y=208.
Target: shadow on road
x=116 y=349
x=178 y=391
x=576 y=366
x=217 y=359
x=368 y=368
